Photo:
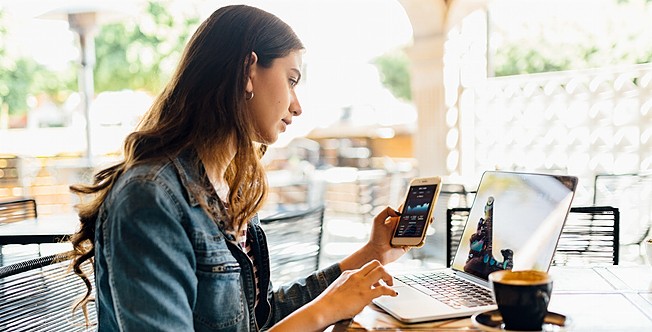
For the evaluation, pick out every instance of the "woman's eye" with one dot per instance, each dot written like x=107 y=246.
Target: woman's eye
x=293 y=82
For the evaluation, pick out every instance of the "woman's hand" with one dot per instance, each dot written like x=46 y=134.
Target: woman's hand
x=353 y=290
x=381 y=234
x=378 y=247
x=343 y=299
x=364 y=278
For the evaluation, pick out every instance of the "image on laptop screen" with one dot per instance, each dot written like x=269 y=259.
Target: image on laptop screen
x=515 y=222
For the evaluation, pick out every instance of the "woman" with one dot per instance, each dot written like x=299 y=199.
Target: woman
x=172 y=230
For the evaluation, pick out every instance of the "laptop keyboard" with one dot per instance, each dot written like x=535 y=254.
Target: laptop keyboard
x=455 y=292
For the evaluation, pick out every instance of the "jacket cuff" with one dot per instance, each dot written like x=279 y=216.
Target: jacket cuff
x=329 y=274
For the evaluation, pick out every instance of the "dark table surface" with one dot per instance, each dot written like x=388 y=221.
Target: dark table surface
x=46 y=229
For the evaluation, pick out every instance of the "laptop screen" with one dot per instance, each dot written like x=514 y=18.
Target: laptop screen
x=515 y=222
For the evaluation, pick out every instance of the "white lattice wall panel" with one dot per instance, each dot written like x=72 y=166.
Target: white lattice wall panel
x=580 y=122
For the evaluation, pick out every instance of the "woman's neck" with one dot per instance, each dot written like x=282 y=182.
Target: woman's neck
x=215 y=167
x=222 y=189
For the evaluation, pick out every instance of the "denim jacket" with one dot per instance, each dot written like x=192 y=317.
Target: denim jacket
x=163 y=264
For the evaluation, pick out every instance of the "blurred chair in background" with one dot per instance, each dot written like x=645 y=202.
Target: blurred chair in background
x=17 y=209
x=38 y=295
x=590 y=237
x=632 y=195
x=294 y=241
x=14 y=210
x=455 y=221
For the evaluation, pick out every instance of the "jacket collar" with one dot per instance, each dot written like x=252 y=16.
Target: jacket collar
x=193 y=176
x=196 y=183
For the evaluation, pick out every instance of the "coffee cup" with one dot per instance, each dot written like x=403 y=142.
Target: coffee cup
x=522 y=298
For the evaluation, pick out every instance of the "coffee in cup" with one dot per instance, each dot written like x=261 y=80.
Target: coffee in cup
x=522 y=298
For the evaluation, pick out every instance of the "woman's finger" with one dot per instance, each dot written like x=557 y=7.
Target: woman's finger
x=383 y=290
x=365 y=269
x=379 y=273
x=386 y=213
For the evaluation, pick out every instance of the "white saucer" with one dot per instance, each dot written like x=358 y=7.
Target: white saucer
x=492 y=321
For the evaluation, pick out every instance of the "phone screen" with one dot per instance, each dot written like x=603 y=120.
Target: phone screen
x=415 y=211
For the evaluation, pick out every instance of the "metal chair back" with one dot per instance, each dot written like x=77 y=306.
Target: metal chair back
x=39 y=294
x=631 y=194
x=590 y=237
x=294 y=242
x=17 y=209
x=455 y=222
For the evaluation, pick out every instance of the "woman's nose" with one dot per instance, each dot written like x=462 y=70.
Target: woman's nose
x=295 y=106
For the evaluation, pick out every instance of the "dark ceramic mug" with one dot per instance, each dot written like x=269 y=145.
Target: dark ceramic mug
x=522 y=298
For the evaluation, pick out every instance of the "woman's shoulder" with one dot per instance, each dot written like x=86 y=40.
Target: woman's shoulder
x=154 y=171
x=168 y=177
x=155 y=176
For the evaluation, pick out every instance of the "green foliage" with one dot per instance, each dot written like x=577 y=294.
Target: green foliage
x=571 y=45
x=15 y=76
x=57 y=85
x=15 y=82
x=129 y=55
x=540 y=56
x=23 y=77
x=515 y=60
x=140 y=56
x=395 y=74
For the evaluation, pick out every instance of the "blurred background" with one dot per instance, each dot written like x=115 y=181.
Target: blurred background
x=391 y=90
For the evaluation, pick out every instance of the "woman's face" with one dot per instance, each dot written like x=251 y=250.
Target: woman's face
x=274 y=103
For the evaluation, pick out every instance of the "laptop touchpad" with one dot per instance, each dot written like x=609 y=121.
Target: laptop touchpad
x=410 y=303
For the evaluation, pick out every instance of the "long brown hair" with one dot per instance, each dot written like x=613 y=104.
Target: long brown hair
x=202 y=107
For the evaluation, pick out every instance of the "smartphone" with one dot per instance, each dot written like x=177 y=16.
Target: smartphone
x=416 y=216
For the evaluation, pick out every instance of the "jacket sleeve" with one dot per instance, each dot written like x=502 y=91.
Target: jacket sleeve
x=288 y=298
x=150 y=261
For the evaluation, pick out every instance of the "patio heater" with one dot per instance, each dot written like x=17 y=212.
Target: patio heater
x=84 y=24
x=83 y=18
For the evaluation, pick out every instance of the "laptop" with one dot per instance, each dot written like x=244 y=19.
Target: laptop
x=514 y=223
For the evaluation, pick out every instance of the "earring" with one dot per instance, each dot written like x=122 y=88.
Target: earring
x=249 y=95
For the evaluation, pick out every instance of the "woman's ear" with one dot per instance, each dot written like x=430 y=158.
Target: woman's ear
x=253 y=60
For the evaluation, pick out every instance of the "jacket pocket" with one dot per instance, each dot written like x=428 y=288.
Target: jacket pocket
x=219 y=302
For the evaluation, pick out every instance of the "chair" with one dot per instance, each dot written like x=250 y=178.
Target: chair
x=631 y=194
x=455 y=222
x=39 y=294
x=294 y=241
x=17 y=209
x=590 y=236
x=14 y=210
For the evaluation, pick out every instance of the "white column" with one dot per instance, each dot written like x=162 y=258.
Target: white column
x=428 y=18
x=426 y=57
